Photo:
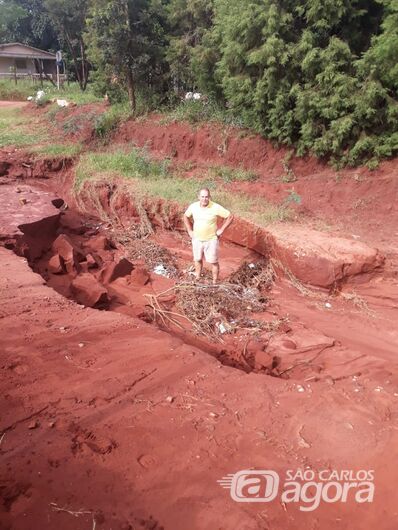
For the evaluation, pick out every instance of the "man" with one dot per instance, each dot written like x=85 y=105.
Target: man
x=204 y=232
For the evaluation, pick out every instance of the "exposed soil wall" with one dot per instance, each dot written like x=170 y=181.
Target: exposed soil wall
x=314 y=258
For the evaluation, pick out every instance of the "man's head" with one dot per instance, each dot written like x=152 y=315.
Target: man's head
x=204 y=197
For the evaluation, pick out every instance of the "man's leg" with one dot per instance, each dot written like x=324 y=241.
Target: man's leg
x=211 y=255
x=197 y=249
x=198 y=269
x=215 y=270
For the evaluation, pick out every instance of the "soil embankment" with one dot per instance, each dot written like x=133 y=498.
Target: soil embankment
x=112 y=419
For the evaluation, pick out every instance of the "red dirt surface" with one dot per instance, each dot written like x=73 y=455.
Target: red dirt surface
x=339 y=202
x=107 y=421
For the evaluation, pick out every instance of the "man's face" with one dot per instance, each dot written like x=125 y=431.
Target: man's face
x=204 y=197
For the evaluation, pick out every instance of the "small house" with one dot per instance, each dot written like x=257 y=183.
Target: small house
x=20 y=60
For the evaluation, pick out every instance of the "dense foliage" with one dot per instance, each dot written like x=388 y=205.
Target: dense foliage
x=319 y=75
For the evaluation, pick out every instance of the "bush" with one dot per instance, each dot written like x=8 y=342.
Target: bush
x=108 y=122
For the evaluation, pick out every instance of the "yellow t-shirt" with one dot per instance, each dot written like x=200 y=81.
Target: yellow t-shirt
x=205 y=219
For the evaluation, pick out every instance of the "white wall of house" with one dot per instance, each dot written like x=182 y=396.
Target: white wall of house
x=24 y=66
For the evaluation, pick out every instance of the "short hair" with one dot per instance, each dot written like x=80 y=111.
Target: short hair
x=204 y=189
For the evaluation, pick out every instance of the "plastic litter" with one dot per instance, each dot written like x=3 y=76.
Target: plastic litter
x=161 y=270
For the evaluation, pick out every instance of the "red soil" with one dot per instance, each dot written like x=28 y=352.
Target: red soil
x=350 y=201
x=110 y=422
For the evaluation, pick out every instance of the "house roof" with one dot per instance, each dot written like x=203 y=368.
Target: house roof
x=18 y=50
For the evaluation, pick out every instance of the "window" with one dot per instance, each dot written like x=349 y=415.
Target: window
x=20 y=64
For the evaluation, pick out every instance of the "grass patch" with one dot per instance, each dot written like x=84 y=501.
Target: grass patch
x=18 y=129
x=108 y=121
x=77 y=122
x=229 y=174
x=24 y=88
x=200 y=111
x=134 y=164
x=9 y=91
x=154 y=179
x=58 y=150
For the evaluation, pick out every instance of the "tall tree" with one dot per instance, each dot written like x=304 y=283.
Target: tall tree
x=126 y=41
x=69 y=19
x=290 y=70
x=188 y=23
x=10 y=13
x=27 y=21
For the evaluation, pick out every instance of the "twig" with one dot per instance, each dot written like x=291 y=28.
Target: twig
x=77 y=513
x=309 y=361
x=12 y=425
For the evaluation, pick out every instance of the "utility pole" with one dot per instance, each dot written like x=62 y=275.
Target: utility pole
x=58 y=59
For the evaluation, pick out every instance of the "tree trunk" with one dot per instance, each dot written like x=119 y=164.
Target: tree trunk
x=84 y=65
x=39 y=67
x=129 y=73
x=131 y=89
x=75 y=61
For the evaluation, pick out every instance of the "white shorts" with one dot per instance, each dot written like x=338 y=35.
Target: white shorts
x=208 y=248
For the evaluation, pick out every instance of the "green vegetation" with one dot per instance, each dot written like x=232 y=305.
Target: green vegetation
x=153 y=178
x=9 y=91
x=319 y=76
x=77 y=122
x=18 y=130
x=108 y=121
x=57 y=150
x=135 y=164
x=73 y=94
x=196 y=112
x=228 y=174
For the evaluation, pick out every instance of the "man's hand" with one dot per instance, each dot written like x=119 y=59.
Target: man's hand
x=225 y=225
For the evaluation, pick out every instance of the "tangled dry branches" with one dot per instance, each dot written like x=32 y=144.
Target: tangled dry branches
x=259 y=274
x=211 y=310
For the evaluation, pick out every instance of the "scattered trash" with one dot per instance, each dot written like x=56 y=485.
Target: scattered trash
x=161 y=270
x=170 y=399
x=213 y=415
x=221 y=327
x=196 y=96
x=300 y=388
x=81 y=344
x=251 y=266
x=62 y=103
x=328 y=305
x=33 y=424
x=63 y=329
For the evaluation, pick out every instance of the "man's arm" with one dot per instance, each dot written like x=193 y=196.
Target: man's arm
x=188 y=225
x=225 y=225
